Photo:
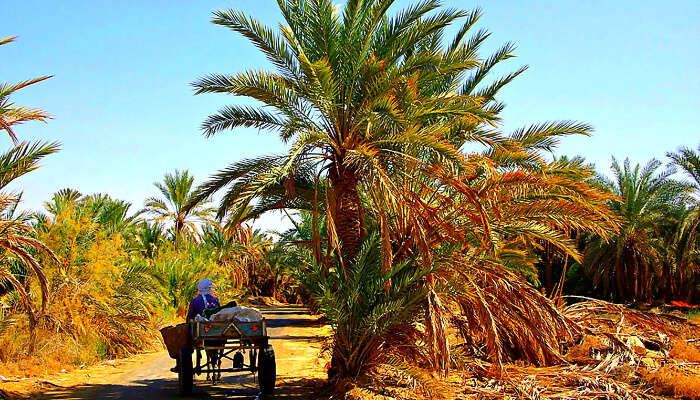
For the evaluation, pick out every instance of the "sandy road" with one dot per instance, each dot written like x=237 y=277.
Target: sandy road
x=296 y=338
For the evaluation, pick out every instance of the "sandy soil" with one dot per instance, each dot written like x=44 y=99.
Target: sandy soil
x=296 y=338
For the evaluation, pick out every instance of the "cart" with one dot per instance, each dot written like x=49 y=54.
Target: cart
x=228 y=338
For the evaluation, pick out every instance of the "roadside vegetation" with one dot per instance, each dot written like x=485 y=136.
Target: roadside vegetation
x=440 y=249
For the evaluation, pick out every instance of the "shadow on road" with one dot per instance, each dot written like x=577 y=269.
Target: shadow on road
x=153 y=389
x=296 y=346
x=298 y=322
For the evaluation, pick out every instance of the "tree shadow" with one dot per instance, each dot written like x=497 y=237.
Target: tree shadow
x=310 y=338
x=155 y=389
x=298 y=322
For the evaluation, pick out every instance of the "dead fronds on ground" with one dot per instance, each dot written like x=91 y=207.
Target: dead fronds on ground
x=619 y=353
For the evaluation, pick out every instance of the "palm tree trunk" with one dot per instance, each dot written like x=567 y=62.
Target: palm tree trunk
x=347 y=211
x=620 y=278
x=548 y=274
x=179 y=225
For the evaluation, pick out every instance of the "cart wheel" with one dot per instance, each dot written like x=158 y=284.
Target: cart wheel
x=267 y=370
x=185 y=376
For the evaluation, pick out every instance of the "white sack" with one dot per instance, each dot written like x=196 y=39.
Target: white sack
x=245 y=314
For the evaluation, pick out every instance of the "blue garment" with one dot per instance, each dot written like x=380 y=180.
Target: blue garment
x=197 y=305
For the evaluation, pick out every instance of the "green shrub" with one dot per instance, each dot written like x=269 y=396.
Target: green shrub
x=363 y=310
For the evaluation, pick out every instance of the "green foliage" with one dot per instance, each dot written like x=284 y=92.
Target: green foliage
x=364 y=305
x=632 y=266
x=177 y=191
x=23 y=159
x=178 y=270
x=12 y=114
x=149 y=238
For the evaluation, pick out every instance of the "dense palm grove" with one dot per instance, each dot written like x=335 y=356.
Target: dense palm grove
x=419 y=253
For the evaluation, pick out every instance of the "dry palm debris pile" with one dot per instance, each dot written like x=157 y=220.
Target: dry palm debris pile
x=620 y=353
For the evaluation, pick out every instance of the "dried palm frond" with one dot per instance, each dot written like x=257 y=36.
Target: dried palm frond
x=406 y=372
x=479 y=231
x=501 y=316
x=560 y=383
x=617 y=324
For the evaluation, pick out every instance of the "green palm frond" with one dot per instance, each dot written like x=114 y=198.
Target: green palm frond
x=11 y=114
x=689 y=161
x=234 y=116
x=22 y=159
x=360 y=309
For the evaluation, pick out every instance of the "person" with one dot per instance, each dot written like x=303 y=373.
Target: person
x=203 y=300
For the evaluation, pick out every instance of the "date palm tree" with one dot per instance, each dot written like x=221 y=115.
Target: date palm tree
x=149 y=238
x=177 y=191
x=12 y=114
x=685 y=238
x=377 y=109
x=689 y=161
x=633 y=261
x=18 y=245
x=110 y=215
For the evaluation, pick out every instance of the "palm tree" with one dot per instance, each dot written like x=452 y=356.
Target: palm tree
x=11 y=114
x=228 y=249
x=18 y=245
x=377 y=111
x=62 y=200
x=111 y=215
x=689 y=161
x=684 y=239
x=177 y=191
x=633 y=260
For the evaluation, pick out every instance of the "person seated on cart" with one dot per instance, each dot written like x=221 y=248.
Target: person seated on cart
x=203 y=301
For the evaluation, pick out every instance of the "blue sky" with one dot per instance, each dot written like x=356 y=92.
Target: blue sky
x=125 y=114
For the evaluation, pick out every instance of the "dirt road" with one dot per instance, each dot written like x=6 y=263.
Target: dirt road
x=296 y=338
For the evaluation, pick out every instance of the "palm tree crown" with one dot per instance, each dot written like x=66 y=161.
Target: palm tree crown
x=363 y=98
x=177 y=191
x=18 y=244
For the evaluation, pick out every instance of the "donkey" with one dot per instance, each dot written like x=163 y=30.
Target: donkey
x=214 y=361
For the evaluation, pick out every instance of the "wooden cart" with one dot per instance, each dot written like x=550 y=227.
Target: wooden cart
x=228 y=338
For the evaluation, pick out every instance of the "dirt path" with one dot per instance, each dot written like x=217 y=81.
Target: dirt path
x=296 y=338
